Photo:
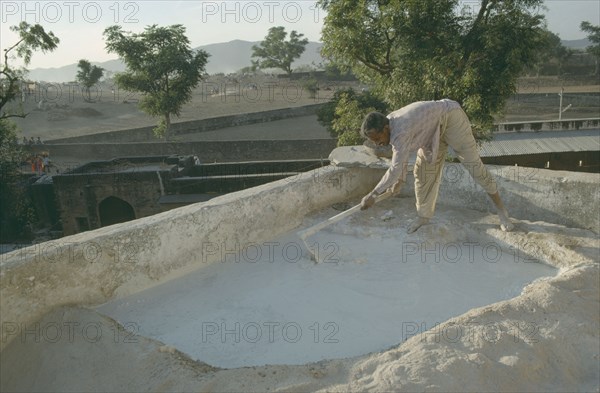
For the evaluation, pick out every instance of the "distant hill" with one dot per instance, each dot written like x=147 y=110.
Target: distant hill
x=67 y=73
x=232 y=56
x=226 y=57
x=577 y=44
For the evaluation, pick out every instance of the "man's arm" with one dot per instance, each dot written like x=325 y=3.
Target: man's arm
x=395 y=173
x=393 y=178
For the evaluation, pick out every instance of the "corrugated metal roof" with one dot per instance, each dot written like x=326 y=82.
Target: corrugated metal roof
x=534 y=145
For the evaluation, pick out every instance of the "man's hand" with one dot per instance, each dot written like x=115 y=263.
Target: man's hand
x=367 y=201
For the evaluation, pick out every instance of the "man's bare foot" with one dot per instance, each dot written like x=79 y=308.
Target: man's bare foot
x=418 y=223
x=505 y=223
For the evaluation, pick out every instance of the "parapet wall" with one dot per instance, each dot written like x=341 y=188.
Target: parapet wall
x=560 y=197
x=93 y=267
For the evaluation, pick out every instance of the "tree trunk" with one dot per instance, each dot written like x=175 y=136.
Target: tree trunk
x=167 y=126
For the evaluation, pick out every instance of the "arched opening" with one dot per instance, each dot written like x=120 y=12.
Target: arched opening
x=114 y=210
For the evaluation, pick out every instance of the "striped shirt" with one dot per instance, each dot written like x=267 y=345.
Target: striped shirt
x=414 y=127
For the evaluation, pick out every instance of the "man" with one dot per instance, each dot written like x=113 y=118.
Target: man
x=428 y=127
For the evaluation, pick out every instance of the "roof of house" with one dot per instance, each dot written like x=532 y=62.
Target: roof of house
x=541 y=142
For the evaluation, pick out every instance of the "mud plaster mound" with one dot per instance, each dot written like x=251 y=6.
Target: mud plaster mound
x=546 y=339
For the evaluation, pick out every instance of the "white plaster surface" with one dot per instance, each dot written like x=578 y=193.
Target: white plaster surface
x=561 y=197
x=93 y=267
x=357 y=156
x=375 y=286
x=544 y=339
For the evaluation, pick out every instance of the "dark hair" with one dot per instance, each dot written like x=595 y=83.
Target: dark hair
x=373 y=121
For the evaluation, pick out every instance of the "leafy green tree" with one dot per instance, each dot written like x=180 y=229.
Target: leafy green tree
x=311 y=85
x=411 y=50
x=594 y=37
x=343 y=115
x=247 y=70
x=16 y=211
x=334 y=72
x=550 y=51
x=31 y=38
x=276 y=52
x=161 y=65
x=88 y=75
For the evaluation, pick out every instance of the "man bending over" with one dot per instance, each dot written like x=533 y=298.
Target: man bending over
x=428 y=127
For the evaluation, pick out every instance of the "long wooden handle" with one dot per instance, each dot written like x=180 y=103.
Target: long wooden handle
x=317 y=227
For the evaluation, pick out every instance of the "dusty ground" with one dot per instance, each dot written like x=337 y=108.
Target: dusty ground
x=64 y=112
x=540 y=100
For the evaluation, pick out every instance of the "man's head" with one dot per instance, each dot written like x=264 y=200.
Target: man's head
x=376 y=127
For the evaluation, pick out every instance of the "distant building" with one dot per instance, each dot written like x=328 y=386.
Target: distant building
x=103 y=193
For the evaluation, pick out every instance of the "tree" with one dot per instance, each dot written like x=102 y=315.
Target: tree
x=16 y=212
x=88 y=75
x=161 y=65
x=551 y=50
x=411 y=50
x=276 y=52
x=343 y=115
x=31 y=38
x=594 y=37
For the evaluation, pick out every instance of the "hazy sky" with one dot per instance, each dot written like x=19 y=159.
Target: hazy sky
x=79 y=24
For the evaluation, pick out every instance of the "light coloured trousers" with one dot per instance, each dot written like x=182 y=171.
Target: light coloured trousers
x=455 y=132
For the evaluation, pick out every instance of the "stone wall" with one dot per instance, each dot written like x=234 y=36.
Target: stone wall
x=206 y=151
x=193 y=126
x=78 y=196
x=78 y=193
